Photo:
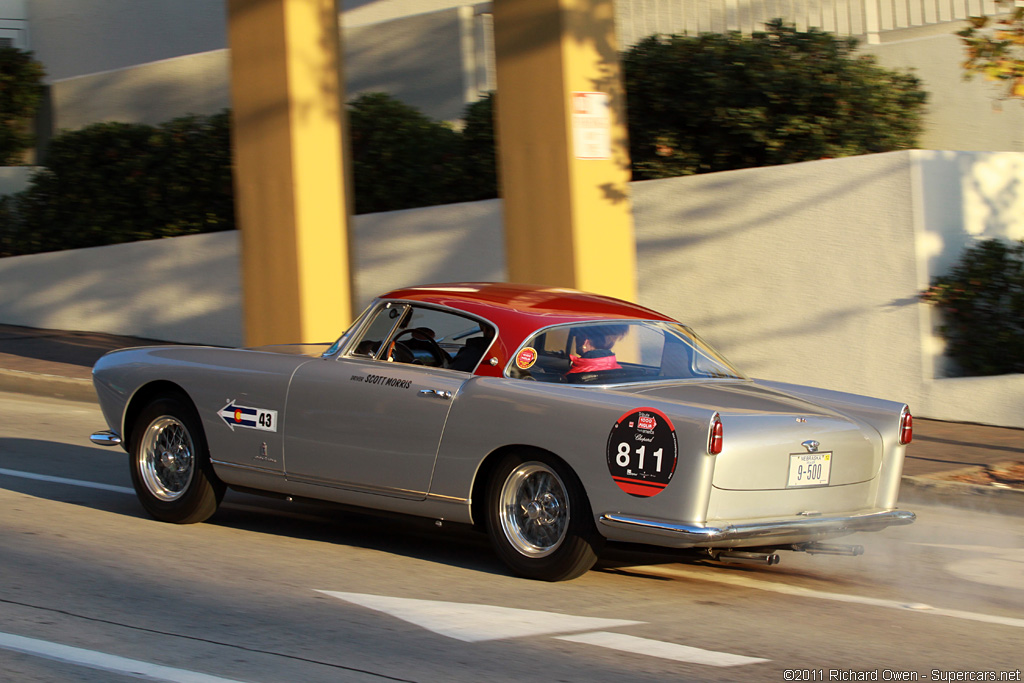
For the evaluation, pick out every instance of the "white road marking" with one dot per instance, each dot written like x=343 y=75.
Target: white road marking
x=70 y=482
x=104 y=662
x=473 y=623
x=746 y=582
x=657 y=648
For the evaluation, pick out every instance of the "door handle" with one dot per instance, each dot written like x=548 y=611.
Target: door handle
x=436 y=392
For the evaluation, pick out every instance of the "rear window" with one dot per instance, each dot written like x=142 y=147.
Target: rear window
x=618 y=351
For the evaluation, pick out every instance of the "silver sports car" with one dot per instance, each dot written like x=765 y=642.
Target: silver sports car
x=554 y=420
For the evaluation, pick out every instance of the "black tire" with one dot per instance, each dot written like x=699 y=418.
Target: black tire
x=170 y=463
x=539 y=519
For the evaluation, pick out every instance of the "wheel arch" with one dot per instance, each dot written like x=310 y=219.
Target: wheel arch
x=484 y=473
x=145 y=395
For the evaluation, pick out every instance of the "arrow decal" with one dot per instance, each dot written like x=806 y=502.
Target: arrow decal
x=248 y=417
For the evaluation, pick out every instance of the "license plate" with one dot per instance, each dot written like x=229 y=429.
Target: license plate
x=809 y=469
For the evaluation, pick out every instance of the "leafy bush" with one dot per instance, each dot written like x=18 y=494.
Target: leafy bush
x=119 y=182
x=400 y=157
x=982 y=302
x=715 y=102
x=479 y=165
x=21 y=92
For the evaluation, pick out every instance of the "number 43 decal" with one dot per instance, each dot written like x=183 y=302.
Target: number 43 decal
x=248 y=417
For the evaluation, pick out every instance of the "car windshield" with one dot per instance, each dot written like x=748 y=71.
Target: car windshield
x=618 y=351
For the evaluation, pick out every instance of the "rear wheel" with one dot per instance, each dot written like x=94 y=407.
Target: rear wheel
x=170 y=463
x=539 y=520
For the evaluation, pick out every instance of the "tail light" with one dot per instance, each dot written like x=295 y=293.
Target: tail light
x=715 y=435
x=906 y=426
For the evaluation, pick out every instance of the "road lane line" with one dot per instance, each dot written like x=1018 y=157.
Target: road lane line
x=746 y=582
x=104 y=662
x=658 y=648
x=70 y=482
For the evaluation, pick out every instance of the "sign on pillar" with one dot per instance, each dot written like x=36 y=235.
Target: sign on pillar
x=563 y=146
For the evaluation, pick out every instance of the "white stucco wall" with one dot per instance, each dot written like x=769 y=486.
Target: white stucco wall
x=807 y=273
x=183 y=289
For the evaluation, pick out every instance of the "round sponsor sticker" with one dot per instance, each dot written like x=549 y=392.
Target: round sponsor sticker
x=642 y=452
x=526 y=358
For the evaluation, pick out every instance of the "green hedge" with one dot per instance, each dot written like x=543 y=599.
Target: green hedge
x=119 y=182
x=116 y=182
x=716 y=102
x=982 y=304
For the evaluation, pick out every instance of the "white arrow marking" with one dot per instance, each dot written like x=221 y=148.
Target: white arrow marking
x=657 y=648
x=472 y=623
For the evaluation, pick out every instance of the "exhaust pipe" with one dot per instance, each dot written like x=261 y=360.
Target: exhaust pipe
x=830 y=549
x=743 y=556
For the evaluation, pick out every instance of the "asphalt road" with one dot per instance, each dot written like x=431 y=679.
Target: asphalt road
x=91 y=589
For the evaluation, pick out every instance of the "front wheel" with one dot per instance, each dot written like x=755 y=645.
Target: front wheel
x=170 y=463
x=539 y=520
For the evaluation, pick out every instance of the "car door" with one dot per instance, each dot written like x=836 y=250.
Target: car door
x=369 y=422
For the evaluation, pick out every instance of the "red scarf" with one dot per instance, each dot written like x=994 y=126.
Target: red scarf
x=580 y=364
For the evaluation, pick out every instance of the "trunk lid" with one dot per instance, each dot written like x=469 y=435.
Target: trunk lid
x=773 y=440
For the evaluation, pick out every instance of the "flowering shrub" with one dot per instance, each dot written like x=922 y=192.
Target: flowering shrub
x=982 y=304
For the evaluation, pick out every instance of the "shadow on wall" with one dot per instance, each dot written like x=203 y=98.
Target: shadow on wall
x=456 y=242
x=151 y=93
x=765 y=260
x=420 y=63
x=182 y=290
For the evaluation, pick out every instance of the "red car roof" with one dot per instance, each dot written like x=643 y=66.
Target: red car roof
x=520 y=310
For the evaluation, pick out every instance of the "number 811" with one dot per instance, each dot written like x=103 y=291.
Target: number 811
x=622 y=458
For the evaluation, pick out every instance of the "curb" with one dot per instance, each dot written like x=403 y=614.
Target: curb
x=930 y=491
x=52 y=386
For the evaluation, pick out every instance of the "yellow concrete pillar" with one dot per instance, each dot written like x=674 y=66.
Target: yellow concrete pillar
x=288 y=105
x=563 y=146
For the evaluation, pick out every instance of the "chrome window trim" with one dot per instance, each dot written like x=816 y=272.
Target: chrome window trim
x=356 y=331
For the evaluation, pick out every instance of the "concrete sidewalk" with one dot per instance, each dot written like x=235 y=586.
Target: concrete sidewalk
x=58 y=363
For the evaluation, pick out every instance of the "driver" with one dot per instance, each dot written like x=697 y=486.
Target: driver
x=595 y=344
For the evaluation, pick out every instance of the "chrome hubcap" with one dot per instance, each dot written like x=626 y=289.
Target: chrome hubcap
x=534 y=509
x=166 y=458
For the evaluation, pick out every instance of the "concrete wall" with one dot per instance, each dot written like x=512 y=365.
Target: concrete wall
x=188 y=289
x=150 y=93
x=961 y=115
x=807 y=273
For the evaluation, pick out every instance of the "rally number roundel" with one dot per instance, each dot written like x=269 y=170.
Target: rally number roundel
x=642 y=452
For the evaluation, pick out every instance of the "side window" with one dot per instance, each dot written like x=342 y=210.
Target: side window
x=419 y=335
x=384 y=322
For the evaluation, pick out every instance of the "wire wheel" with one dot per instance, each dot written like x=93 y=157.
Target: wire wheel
x=534 y=509
x=170 y=462
x=167 y=458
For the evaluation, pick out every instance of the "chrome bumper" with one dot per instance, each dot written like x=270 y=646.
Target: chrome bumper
x=106 y=438
x=678 y=534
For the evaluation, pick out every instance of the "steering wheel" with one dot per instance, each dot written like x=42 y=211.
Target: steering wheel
x=441 y=359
